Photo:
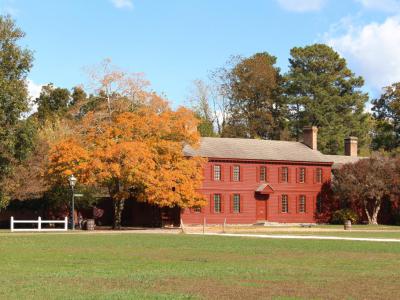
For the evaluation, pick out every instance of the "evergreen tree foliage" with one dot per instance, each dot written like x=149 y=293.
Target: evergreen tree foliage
x=52 y=102
x=324 y=92
x=387 y=114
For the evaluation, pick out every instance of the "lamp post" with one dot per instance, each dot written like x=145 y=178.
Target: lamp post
x=72 y=181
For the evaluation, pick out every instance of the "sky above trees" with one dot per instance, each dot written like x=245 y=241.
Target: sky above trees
x=174 y=42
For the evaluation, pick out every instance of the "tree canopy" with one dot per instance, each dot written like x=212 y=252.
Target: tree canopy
x=324 y=92
x=256 y=108
x=367 y=183
x=134 y=149
x=15 y=63
x=386 y=111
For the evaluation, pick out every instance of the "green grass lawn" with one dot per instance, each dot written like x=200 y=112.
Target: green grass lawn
x=148 y=266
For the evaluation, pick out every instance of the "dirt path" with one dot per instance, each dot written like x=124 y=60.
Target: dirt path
x=301 y=237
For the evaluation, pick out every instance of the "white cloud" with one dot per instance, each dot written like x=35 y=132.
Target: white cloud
x=382 y=5
x=34 y=89
x=34 y=92
x=302 y=5
x=123 y=3
x=372 y=50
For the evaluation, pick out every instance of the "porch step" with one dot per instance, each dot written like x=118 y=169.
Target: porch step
x=267 y=223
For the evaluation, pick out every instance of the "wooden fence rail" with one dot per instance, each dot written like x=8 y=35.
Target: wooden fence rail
x=39 y=221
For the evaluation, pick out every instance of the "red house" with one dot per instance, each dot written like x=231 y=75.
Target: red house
x=248 y=181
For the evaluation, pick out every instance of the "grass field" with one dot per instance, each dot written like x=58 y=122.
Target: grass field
x=161 y=266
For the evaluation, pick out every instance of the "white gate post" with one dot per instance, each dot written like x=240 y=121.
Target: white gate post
x=39 y=223
x=66 y=224
x=12 y=224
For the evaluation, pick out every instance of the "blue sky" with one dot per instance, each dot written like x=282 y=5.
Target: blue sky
x=176 y=41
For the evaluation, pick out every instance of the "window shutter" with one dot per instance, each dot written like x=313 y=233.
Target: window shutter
x=324 y=175
x=280 y=204
x=315 y=176
x=297 y=204
x=211 y=203
x=258 y=171
x=279 y=174
x=222 y=173
x=231 y=172
x=231 y=203
x=212 y=172
x=240 y=203
x=288 y=205
x=297 y=175
x=222 y=204
x=241 y=173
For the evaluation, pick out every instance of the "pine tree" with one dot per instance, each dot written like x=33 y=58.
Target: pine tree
x=324 y=92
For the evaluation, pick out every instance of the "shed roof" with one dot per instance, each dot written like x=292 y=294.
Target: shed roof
x=340 y=160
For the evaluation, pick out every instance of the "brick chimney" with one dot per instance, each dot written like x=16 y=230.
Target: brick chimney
x=310 y=134
x=350 y=146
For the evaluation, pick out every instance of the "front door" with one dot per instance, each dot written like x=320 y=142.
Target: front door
x=261 y=210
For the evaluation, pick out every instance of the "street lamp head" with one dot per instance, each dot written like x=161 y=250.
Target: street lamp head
x=72 y=180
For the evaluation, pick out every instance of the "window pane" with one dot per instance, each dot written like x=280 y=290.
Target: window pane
x=302 y=175
x=217 y=203
x=236 y=173
x=197 y=209
x=284 y=174
x=302 y=204
x=263 y=173
x=319 y=175
x=284 y=203
x=217 y=173
x=236 y=203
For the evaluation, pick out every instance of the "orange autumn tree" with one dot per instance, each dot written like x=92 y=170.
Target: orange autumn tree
x=139 y=150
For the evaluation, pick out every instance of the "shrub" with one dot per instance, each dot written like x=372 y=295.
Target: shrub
x=342 y=215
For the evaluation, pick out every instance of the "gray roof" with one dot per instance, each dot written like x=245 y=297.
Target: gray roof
x=235 y=148
x=262 y=186
x=340 y=160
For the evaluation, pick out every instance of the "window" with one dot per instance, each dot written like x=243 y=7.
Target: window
x=236 y=203
x=217 y=203
x=217 y=172
x=263 y=173
x=285 y=174
x=236 y=173
x=302 y=204
x=197 y=209
x=318 y=175
x=319 y=204
x=302 y=175
x=284 y=204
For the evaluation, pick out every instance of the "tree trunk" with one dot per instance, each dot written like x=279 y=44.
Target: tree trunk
x=367 y=212
x=114 y=190
x=373 y=217
x=118 y=208
x=375 y=213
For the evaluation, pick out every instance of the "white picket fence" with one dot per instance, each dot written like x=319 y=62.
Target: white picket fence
x=39 y=221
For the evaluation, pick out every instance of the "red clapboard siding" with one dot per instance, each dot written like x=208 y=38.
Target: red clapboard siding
x=249 y=181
